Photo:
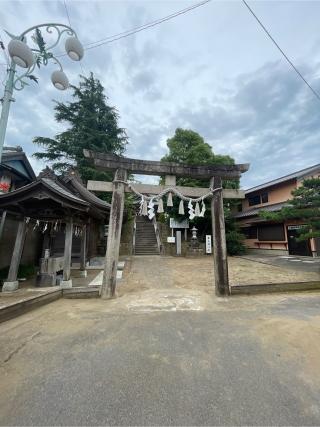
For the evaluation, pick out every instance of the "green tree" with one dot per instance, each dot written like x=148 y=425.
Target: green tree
x=305 y=206
x=187 y=146
x=93 y=124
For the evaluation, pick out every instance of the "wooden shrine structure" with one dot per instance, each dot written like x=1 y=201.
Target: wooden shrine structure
x=123 y=166
x=52 y=205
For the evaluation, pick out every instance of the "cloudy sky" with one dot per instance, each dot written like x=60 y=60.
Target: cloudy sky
x=212 y=70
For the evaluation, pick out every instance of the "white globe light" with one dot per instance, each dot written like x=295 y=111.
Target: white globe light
x=21 y=54
x=74 y=49
x=59 y=80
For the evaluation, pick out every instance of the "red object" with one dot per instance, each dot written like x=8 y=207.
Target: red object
x=4 y=187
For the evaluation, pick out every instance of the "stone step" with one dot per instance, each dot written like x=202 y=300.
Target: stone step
x=145 y=238
x=147 y=253
x=146 y=242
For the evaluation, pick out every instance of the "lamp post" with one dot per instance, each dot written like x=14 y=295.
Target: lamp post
x=28 y=58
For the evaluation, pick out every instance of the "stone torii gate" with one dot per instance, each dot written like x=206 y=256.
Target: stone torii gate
x=123 y=166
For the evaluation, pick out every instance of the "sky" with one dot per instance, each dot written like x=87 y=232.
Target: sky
x=212 y=70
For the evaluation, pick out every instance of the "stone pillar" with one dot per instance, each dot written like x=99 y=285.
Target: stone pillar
x=67 y=282
x=170 y=180
x=11 y=284
x=108 y=287
x=83 y=252
x=219 y=241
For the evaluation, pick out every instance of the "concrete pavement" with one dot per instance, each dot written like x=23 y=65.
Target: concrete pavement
x=239 y=361
x=291 y=262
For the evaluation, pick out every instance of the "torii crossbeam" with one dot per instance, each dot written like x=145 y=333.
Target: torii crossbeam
x=124 y=166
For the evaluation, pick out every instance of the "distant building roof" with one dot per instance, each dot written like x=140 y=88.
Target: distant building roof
x=299 y=174
x=255 y=211
x=16 y=161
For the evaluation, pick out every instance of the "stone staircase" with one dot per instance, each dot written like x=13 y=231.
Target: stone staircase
x=145 y=239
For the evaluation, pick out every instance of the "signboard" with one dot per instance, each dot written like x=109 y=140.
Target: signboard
x=179 y=224
x=171 y=239
x=294 y=227
x=208 y=244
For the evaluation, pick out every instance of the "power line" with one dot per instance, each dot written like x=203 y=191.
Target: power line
x=135 y=30
x=65 y=5
x=152 y=23
x=282 y=52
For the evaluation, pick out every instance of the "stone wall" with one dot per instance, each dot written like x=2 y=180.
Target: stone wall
x=170 y=248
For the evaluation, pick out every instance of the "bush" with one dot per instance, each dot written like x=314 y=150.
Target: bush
x=235 y=243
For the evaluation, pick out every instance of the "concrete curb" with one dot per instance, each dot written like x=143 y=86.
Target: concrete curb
x=81 y=292
x=274 y=287
x=21 y=307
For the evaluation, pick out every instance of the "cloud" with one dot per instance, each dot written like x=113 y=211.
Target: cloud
x=211 y=70
x=270 y=120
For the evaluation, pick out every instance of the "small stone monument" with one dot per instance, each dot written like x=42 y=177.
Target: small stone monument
x=194 y=247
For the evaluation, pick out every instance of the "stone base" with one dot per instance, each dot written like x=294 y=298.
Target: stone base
x=194 y=252
x=83 y=273
x=66 y=284
x=10 y=286
x=44 y=279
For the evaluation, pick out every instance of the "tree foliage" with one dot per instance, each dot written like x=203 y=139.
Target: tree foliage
x=305 y=206
x=187 y=146
x=93 y=124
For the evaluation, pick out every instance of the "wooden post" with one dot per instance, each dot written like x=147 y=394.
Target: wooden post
x=67 y=282
x=45 y=243
x=219 y=241
x=108 y=287
x=2 y=222
x=11 y=284
x=83 y=252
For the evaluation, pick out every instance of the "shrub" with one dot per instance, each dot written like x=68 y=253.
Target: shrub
x=235 y=243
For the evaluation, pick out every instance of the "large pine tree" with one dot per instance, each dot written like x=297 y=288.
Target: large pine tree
x=93 y=124
x=305 y=206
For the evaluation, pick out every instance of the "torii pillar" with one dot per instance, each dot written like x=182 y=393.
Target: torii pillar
x=108 y=287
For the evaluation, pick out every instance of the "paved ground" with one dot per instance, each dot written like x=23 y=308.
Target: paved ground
x=290 y=262
x=163 y=354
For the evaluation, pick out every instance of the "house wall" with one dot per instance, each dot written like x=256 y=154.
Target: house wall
x=32 y=246
x=277 y=194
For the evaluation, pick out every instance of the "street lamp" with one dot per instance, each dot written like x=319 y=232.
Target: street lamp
x=28 y=58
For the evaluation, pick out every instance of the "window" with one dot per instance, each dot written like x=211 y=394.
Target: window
x=264 y=198
x=254 y=200
x=271 y=232
x=257 y=199
x=249 y=232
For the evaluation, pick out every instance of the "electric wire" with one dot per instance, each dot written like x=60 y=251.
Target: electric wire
x=135 y=30
x=152 y=23
x=68 y=16
x=316 y=94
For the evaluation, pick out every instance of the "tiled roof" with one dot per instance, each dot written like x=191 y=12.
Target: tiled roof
x=255 y=211
x=58 y=188
x=298 y=174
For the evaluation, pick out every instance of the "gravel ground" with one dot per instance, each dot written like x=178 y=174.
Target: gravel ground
x=197 y=273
